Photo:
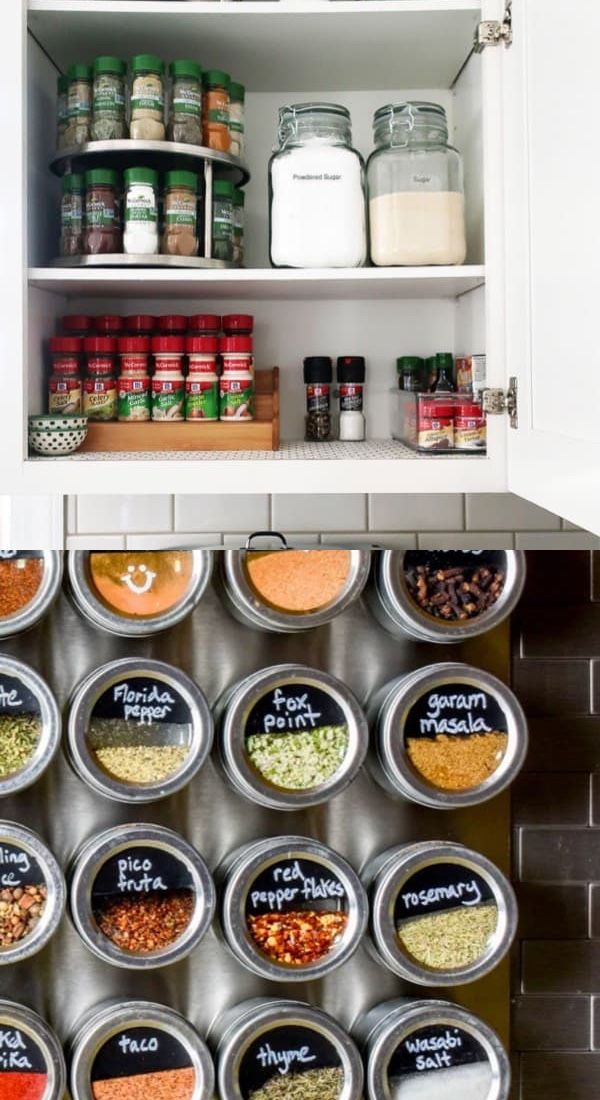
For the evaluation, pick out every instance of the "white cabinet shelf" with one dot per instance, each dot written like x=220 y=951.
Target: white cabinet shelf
x=262 y=284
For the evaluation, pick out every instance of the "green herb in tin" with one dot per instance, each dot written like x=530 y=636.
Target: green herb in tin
x=315 y=1084
x=19 y=737
x=451 y=938
x=299 y=761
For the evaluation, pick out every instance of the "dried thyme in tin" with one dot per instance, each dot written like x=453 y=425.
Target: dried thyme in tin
x=138 y=730
x=441 y=914
x=32 y=893
x=29 y=726
x=291 y=737
x=32 y=1065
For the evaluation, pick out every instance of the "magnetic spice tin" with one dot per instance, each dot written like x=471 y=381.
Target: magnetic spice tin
x=138 y=730
x=141 y=896
x=32 y=1065
x=32 y=893
x=447 y=735
x=138 y=593
x=291 y=737
x=269 y=1049
x=29 y=726
x=138 y=1050
x=29 y=583
x=425 y=1049
x=441 y=914
x=291 y=908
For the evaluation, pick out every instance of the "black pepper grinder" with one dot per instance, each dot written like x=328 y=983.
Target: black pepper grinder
x=318 y=375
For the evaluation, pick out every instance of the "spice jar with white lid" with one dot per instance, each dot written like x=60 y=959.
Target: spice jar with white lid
x=180 y=233
x=79 y=105
x=268 y=1047
x=351 y=379
x=424 y=1049
x=140 y=236
x=147 y=1046
x=441 y=914
x=317 y=198
x=416 y=191
x=138 y=730
x=291 y=737
x=30 y=581
x=108 y=107
x=32 y=893
x=292 y=910
x=447 y=736
x=185 y=106
x=147 y=98
x=32 y=1056
x=141 y=896
x=168 y=383
x=30 y=721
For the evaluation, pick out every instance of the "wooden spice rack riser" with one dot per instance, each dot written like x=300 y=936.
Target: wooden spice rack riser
x=260 y=434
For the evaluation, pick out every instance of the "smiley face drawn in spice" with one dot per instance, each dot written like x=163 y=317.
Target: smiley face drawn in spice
x=148 y=578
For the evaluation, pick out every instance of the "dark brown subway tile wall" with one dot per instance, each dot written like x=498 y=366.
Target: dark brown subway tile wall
x=556 y=818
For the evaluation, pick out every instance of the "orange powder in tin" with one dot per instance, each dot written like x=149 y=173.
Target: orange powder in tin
x=298 y=581
x=141 y=584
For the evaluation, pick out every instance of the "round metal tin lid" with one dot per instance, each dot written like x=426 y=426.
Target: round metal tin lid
x=140 y=1039
x=439 y=1044
x=32 y=893
x=126 y=882
x=291 y=723
x=397 y=579
x=48 y=586
x=441 y=914
x=276 y=1040
x=30 y=726
x=30 y=1051
x=268 y=616
x=451 y=735
x=138 y=730
x=109 y=587
x=271 y=887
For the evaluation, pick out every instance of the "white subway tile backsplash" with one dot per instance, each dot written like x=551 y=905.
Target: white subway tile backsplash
x=505 y=511
x=306 y=512
x=561 y=540
x=95 y=542
x=389 y=540
x=231 y=512
x=126 y=514
x=416 y=512
x=474 y=540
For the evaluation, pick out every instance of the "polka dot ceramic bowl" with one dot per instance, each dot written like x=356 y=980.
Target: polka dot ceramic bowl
x=47 y=422
x=55 y=441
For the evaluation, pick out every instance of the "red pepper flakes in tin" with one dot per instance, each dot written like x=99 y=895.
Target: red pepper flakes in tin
x=297 y=938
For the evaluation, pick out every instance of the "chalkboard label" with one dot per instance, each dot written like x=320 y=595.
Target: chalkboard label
x=16 y=698
x=136 y=1050
x=143 y=701
x=295 y=884
x=454 y=559
x=19 y=1052
x=433 y=1048
x=284 y=1052
x=16 y=555
x=18 y=867
x=294 y=708
x=441 y=886
x=139 y=870
x=459 y=710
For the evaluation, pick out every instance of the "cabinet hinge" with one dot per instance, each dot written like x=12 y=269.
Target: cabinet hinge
x=496 y=402
x=493 y=32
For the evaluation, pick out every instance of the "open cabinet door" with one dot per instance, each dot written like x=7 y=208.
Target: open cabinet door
x=552 y=204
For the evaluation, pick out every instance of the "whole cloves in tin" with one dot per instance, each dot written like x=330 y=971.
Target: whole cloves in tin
x=458 y=593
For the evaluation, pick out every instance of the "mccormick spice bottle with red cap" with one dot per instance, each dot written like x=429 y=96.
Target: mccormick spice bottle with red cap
x=77 y=324
x=318 y=374
x=168 y=383
x=202 y=382
x=64 y=385
x=140 y=324
x=236 y=354
x=351 y=378
x=109 y=324
x=133 y=398
x=172 y=324
x=469 y=426
x=100 y=383
x=238 y=324
x=204 y=324
x=435 y=423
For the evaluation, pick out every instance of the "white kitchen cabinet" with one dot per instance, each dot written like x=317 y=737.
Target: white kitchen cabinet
x=526 y=297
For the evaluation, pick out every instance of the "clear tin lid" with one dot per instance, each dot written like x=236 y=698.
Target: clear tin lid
x=136 y=593
x=449 y=735
x=423 y=1050
x=30 y=726
x=291 y=737
x=31 y=1057
x=269 y=1048
x=32 y=893
x=141 y=896
x=138 y=730
x=29 y=583
x=449 y=595
x=291 y=908
x=286 y=590
x=441 y=914
x=141 y=1045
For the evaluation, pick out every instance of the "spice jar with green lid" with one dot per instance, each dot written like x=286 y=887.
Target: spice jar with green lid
x=147 y=98
x=180 y=234
x=79 y=104
x=108 y=107
x=185 y=107
x=102 y=213
x=71 y=215
x=222 y=244
x=237 y=95
x=140 y=227
x=215 y=110
x=411 y=371
x=62 y=111
x=238 y=226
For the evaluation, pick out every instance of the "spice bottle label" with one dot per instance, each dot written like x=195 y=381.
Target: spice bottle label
x=237 y=361
x=470 y=434
x=140 y=204
x=202 y=399
x=80 y=99
x=108 y=95
x=351 y=397
x=296 y=884
x=141 y=869
x=236 y=399
x=291 y=1060
x=167 y=399
x=98 y=213
x=317 y=397
x=18 y=868
x=144 y=1052
x=23 y=1067
x=180 y=210
x=435 y=435
x=147 y=94
x=15 y=696
x=64 y=395
x=187 y=100
x=441 y=887
x=455 y=710
x=100 y=398
x=223 y=220
x=433 y=1048
x=71 y=213
x=141 y=701
x=133 y=402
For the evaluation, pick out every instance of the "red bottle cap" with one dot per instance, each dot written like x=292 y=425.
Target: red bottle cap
x=140 y=322
x=130 y=345
x=202 y=344
x=77 y=322
x=100 y=345
x=235 y=343
x=70 y=345
x=205 y=322
x=174 y=345
x=174 y=323
x=242 y=323
x=109 y=324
